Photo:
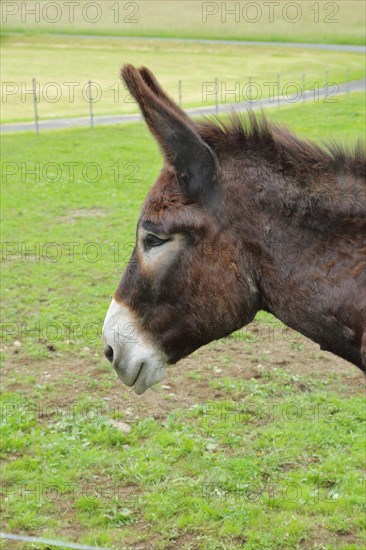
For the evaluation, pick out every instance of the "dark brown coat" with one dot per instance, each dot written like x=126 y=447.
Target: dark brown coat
x=256 y=219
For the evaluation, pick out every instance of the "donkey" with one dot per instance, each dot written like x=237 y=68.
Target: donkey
x=243 y=217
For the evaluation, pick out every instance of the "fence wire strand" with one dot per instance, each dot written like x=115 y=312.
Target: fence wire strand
x=50 y=542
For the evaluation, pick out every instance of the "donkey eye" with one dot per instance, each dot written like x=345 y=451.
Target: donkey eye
x=152 y=240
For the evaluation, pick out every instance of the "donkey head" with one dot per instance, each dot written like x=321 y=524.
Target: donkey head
x=187 y=282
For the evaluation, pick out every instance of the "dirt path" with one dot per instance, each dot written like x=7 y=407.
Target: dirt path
x=307 y=45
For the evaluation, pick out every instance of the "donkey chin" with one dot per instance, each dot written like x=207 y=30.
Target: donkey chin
x=137 y=361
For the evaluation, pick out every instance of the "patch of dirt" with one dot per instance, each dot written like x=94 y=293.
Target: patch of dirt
x=62 y=378
x=73 y=215
x=67 y=376
x=323 y=539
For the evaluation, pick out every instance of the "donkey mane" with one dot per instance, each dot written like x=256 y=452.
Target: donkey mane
x=339 y=198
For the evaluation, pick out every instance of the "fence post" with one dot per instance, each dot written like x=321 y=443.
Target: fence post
x=180 y=93
x=35 y=105
x=90 y=105
x=216 y=96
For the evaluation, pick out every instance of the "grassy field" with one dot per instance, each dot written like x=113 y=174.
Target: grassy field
x=65 y=60
x=250 y=443
x=338 y=22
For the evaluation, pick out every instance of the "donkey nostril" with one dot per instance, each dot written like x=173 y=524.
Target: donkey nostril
x=108 y=352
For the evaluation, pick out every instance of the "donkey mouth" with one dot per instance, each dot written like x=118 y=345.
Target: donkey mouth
x=123 y=376
x=146 y=376
x=139 y=372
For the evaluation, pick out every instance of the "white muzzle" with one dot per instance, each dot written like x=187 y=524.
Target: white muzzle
x=137 y=362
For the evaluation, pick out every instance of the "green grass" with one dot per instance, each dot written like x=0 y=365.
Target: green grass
x=220 y=473
x=205 y=476
x=93 y=222
x=339 y=22
x=63 y=60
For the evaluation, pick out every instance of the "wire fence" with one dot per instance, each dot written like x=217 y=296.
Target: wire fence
x=214 y=97
x=50 y=542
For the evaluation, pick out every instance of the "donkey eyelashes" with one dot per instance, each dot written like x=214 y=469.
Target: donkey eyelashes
x=152 y=241
x=152 y=235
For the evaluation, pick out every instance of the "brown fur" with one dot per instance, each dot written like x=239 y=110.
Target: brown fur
x=269 y=222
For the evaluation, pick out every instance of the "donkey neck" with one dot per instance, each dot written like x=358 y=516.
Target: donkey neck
x=297 y=267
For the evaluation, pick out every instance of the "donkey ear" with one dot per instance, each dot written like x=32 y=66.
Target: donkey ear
x=183 y=149
x=155 y=87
